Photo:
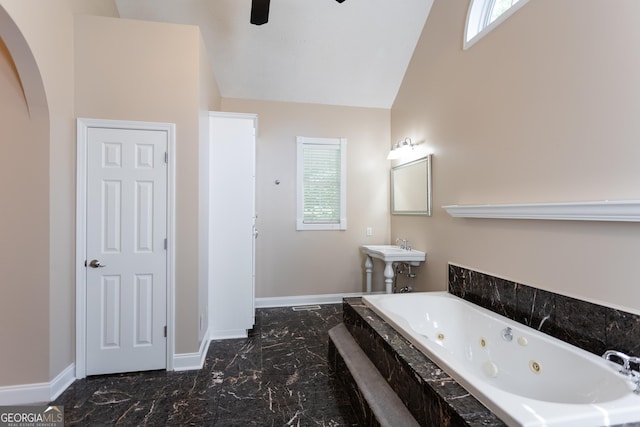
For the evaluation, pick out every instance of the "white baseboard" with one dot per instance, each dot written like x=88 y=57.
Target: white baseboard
x=192 y=361
x=291 y=301
x=45 y=392
x=228 y=334
x=41 y=393
x=62 y=381
x=24 y=394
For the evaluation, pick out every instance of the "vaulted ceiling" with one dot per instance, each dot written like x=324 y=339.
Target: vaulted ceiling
x=314 y=51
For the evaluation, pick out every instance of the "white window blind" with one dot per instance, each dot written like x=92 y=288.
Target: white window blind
x=321 y=184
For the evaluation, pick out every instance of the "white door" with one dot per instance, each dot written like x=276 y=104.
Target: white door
x=232 y=226
x=126 y=267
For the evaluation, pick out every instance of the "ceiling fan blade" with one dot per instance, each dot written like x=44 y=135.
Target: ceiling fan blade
x=260 y=11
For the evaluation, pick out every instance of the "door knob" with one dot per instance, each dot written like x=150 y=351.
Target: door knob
x=96 y=264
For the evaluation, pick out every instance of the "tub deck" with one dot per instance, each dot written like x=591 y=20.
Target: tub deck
x=430 y=394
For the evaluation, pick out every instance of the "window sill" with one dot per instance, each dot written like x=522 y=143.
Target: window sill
x=321 y=227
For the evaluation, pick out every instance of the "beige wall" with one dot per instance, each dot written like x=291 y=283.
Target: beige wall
x=41 y=123
x=136 y=70
x=291 y=262
x=209 y=100
x=559 y=127
x=47 y=30
x=543 y=109
x=94 y=7
x=24 y=227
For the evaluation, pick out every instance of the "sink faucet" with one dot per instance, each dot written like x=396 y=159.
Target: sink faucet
x=403 y=243
x=626 y=361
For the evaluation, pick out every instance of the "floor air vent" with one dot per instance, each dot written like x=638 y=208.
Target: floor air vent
x=306 y=308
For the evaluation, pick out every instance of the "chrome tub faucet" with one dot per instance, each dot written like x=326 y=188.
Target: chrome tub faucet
x=626 y=362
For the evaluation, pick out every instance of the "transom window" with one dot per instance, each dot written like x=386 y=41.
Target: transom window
x=485 y=15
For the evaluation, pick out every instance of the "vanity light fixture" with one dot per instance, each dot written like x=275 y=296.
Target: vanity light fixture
x=401 y=149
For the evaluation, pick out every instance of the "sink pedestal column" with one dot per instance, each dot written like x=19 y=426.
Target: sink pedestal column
x=368 y=268
x=389 y=254
x=388 y=276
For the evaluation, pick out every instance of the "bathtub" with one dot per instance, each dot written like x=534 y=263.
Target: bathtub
x=525 y=377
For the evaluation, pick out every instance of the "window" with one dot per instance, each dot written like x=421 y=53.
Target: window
x=485 y=15
x=321 y=184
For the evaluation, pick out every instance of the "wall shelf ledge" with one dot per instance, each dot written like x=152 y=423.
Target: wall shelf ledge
x=606 y=210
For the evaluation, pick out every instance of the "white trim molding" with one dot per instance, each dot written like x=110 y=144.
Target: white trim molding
x=82 y=128
x=291 y=301
x=229 y=334
x=38 y=393
x=607 y=210
x=62 y=381
x=192 y=361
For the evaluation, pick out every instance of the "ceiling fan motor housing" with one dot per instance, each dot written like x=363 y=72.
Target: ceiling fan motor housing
x=260 y=11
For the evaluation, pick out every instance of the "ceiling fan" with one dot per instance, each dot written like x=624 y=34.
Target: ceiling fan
x=260 y=11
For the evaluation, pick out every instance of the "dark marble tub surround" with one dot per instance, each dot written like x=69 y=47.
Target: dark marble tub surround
x=591 y=327
x=373 y=399
x=362 y=410
x=431 y=395
x=277 y=376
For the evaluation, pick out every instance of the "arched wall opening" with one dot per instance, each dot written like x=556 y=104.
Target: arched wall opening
x=24 y=216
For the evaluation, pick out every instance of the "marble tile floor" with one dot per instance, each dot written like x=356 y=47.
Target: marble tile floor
x=278 y=376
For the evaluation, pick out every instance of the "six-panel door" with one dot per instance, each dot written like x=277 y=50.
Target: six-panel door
x=126 y=232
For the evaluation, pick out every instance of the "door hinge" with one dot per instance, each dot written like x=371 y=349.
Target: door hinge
x=165 y=331
x=165 y=244
x=166 y=157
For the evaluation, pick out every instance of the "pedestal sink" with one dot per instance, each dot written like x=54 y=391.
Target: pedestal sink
x=389 y=254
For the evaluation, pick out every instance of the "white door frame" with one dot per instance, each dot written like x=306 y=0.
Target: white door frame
x=83 y=125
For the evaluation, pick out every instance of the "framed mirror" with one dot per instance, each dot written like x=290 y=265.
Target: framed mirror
x=411 y=188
